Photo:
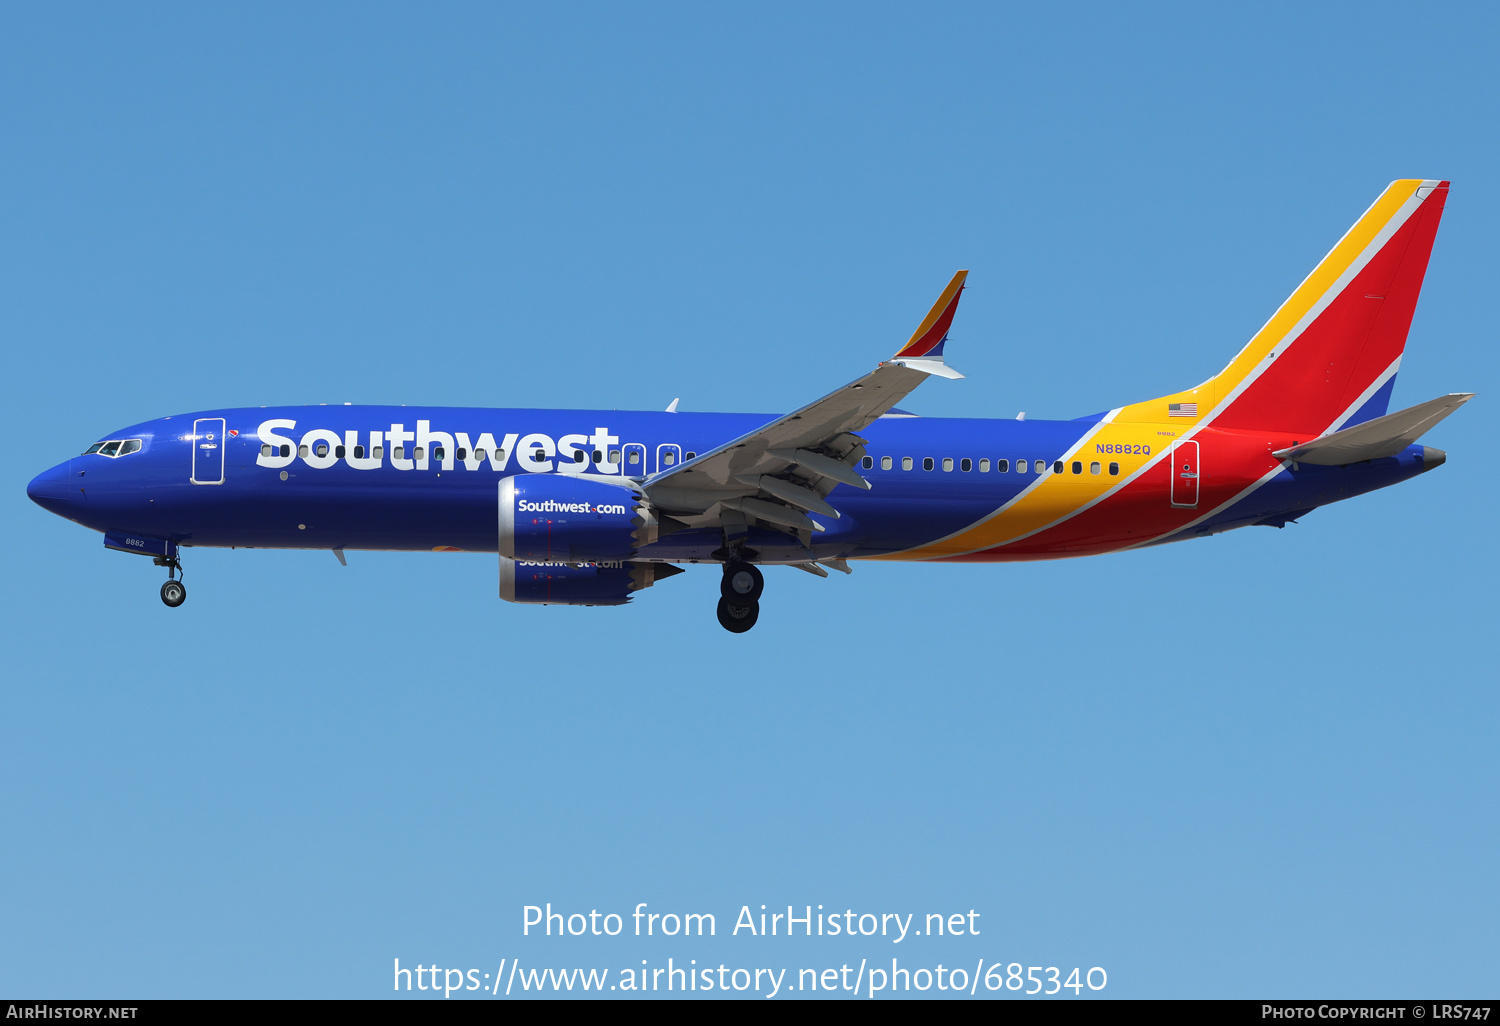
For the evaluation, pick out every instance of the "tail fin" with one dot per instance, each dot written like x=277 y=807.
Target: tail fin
x=1328 y=357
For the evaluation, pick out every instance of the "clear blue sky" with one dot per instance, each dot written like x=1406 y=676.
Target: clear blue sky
x=1259 y=764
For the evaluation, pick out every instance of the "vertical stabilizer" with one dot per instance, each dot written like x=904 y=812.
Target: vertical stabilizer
x=1328 y=357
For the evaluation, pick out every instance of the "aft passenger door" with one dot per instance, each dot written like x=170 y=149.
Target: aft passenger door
x=1185 y=470
x=208 y=451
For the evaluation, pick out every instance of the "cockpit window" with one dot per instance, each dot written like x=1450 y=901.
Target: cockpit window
x=116 y=447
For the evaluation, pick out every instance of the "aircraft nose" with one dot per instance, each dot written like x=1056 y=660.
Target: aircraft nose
x=55 y=491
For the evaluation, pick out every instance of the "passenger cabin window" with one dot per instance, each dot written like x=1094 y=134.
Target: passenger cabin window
x=579 y=457
x=420 y=452
x=378 y=452
x=867 y=462
x=966 y=465
x=479 y=454
x=1002 y=466
x=984 y=467
x=265 y=449
x=1093 y=468
x=359 y=452
x=460 y=452
x=1078 y=466
x=635 y=457
x=906 y=463
x=286 y=450
x=885 y=463
x=437 y=452
x=322 y=449
x=301 y=450
x=1114 y=470
x=927 y=463
x=93 y=448
x=668 y=459
x=1057 y=468
x=614 y=455
x=691 y=456
x=1021 y=466
x=947 y=464
x=338 y=451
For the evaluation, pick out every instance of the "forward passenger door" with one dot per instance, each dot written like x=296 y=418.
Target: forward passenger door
x=208 y=451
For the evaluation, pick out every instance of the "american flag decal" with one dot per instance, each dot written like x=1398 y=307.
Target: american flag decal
x=1182 y=409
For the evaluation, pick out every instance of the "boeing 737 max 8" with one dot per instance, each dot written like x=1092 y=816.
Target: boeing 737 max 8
x=588 y=507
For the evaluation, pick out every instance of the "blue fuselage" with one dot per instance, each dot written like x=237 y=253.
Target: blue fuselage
x=417 y=480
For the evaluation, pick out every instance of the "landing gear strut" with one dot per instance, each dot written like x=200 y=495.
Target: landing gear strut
x=173 y=593
x=739 y=606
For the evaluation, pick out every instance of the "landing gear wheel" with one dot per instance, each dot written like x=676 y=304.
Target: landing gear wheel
x=173 y=594
x=742 y=583
x=738 y=619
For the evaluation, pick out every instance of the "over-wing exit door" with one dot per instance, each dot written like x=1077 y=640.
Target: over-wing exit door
x=633 y=460
x=1185 y=469
x=668 y=455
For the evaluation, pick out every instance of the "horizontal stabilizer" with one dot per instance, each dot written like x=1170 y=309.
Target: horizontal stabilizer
x=1375 y=439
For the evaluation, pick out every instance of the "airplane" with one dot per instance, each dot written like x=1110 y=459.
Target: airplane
x=587 y=507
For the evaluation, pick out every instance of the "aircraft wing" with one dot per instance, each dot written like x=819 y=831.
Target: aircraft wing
x=1378 y=438
x=780 y=472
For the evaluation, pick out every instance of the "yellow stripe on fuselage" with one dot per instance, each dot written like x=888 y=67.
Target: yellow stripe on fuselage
x=1057 y=496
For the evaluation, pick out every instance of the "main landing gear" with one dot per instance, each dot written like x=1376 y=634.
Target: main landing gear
x=173 y=593
x=739 y=605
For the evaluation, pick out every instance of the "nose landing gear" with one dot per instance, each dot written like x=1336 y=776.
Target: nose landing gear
x=173 y=593
x=740 y=590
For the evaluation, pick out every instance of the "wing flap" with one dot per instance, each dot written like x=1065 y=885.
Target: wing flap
x=793 y=495
x=774 y=513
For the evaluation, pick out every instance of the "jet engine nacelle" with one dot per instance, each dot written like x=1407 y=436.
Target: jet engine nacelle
x=578 y=584
x=558 y=518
